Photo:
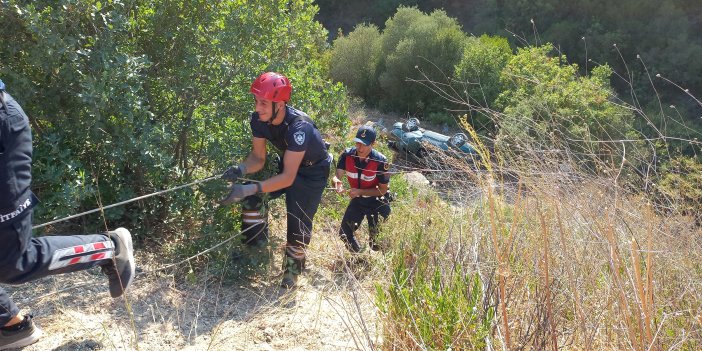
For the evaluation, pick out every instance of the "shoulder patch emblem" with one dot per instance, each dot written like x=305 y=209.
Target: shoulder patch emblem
x=386 y=166
x=299 y=137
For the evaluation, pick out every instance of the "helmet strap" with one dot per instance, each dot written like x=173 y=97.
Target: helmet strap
x=276 y=108
x=2 y=100
x=274 y=113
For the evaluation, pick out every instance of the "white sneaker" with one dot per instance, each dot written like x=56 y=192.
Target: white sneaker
x=120 y=271
x=24 y=334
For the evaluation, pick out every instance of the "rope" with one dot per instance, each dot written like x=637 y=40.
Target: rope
x=211 y=248
x=126 y=202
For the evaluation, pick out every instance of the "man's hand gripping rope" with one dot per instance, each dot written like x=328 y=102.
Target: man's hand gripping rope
x=239 y=191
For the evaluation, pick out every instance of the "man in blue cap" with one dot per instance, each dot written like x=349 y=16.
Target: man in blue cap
x=24 y=258
x=366 y=170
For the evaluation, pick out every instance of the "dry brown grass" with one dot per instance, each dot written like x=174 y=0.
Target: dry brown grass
x=575 y=261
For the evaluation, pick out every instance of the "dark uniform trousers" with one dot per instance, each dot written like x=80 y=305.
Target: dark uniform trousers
x=24 y=258
x=302 y=200
x=370 y=208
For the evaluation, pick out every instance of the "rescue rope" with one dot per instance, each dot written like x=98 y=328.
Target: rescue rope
x=201 y=253
x=401 y=169
x=128 y=201
x=211 y=248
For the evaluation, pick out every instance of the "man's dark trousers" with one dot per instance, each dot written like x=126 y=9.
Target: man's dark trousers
x=24 y=258
x=360 y=207
x=302 y=200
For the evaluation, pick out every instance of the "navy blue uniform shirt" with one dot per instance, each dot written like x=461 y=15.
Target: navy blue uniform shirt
x=15 y=162
x=296 y=133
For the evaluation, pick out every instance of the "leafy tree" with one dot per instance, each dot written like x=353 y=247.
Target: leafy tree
x=420 y=48
x=546 y=105
x=394 y=69
x=129 y=97
x=355 y=60
x=479 y=70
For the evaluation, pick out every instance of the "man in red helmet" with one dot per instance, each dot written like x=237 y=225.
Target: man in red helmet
x=305 y=165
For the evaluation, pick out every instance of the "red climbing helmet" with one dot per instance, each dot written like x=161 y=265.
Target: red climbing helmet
x=272 y=86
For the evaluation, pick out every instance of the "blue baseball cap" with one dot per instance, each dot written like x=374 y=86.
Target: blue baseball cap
x=365 y=135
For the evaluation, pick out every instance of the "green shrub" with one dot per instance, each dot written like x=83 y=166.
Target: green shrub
x=355 y=60
x=681 y=184
x=397 y=68
x=547 y=106
x=479 y=73
x=418 y=49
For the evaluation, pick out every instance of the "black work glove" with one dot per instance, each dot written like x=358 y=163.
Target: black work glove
x=239 y=192
x=233 y=173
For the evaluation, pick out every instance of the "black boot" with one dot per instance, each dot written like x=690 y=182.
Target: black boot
x=292 y=268
x=254 y=221
x=255 y=234
x=372 y=239
x=351 y=243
